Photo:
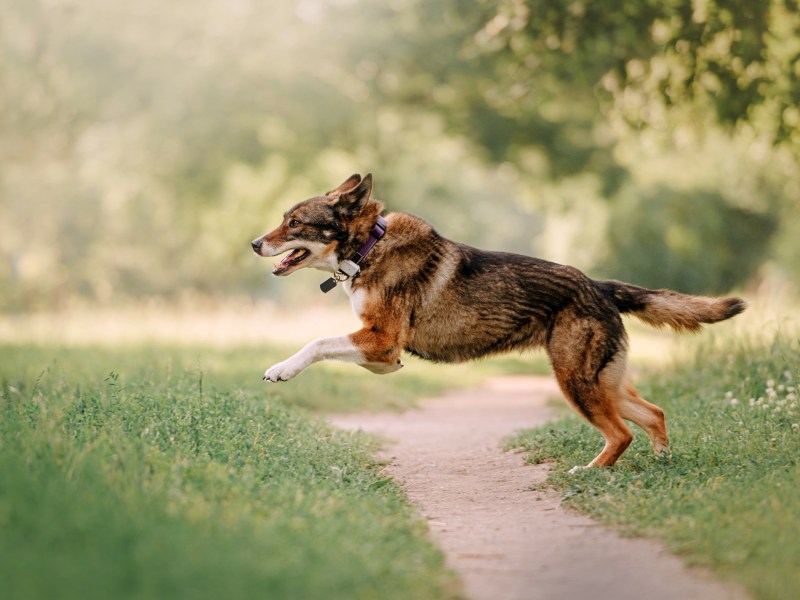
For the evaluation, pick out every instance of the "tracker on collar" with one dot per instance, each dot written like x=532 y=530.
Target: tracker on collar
x=350 y=267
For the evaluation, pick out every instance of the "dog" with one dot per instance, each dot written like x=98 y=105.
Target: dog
x=443 y=301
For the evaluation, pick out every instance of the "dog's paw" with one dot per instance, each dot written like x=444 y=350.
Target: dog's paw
x=664 y=454
x=576 y=469
x=283 y=371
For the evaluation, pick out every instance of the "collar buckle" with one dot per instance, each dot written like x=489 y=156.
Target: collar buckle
x=350 y=267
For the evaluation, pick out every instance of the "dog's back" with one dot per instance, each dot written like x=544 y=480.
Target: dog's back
x=463 y=303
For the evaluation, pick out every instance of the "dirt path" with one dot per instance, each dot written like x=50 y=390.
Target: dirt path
x=505 y=541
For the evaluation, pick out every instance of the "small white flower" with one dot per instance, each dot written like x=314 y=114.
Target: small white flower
x=728 y=395
x=770 y=383
x=734 y=402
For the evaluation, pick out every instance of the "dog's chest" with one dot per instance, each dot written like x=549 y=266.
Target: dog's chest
x=357 y=298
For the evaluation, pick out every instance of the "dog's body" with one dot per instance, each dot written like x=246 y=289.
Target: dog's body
x=448 y=302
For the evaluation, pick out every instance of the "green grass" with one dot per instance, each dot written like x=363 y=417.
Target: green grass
x=325 y=387
x=729 y=497
x=176 y=473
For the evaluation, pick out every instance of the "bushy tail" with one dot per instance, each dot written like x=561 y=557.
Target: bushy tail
x=665 y=307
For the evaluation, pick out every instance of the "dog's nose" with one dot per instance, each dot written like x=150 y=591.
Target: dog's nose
x=256 y=244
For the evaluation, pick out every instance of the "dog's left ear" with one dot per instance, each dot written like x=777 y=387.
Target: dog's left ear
x=348 y=185
x=351 y=202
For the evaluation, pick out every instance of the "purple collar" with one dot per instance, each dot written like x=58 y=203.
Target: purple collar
x=350 y=268
x=378 y=231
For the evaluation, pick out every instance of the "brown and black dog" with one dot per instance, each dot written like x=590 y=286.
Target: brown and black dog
x=447 y=302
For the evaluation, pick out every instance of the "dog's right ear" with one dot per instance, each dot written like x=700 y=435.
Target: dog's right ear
x=348 y=185
x=351 y=202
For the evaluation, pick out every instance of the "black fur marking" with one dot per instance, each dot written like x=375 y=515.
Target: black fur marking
x=627 y=297
x=733 y=307
x=577 y=391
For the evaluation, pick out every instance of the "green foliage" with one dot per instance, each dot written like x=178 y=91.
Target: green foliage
x=156 y=479
x=142 y=146
x=736 y=57
x=727 y=497
x=694 y=241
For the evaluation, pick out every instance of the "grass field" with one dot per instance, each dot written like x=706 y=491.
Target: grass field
x=159 y=472
x=136 y=466
x=729 y=497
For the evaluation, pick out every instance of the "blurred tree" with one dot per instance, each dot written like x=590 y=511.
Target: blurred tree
x=448 y=58
x=695 y=242
x=738 y=57
x=143 y=144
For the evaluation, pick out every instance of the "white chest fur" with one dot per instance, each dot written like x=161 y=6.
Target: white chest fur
x=357 y=298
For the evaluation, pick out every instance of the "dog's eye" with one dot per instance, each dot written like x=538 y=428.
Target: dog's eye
x=294 y=223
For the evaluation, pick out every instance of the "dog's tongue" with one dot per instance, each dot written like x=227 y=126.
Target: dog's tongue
x=291 y=256
x=287 y=260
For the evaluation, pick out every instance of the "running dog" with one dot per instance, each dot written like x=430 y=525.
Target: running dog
x=443 y=301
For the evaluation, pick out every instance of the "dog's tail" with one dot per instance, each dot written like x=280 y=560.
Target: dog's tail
x=665 y=307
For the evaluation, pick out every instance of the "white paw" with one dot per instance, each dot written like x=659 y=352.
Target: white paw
x=283 y=371
x=576 y=469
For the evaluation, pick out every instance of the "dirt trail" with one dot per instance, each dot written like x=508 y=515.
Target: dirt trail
x=505 y=541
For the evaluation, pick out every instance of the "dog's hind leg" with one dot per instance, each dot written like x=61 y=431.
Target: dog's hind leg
x=597 y=406
x=578 y=350
x=646 y=415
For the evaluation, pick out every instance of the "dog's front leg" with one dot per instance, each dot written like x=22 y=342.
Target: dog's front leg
x=365 y=348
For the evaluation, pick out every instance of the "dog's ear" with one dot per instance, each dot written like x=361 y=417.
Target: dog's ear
x=351 y=202
x=348 y=185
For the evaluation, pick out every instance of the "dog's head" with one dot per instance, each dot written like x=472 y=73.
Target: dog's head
x=317 y=231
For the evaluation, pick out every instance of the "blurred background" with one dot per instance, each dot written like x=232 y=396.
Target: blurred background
x=144 y=144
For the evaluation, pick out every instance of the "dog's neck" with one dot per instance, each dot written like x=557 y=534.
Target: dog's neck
x=348 y=266
x=360 y=231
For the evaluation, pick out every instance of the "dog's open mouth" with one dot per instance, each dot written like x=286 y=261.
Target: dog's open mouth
x=291 y=260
